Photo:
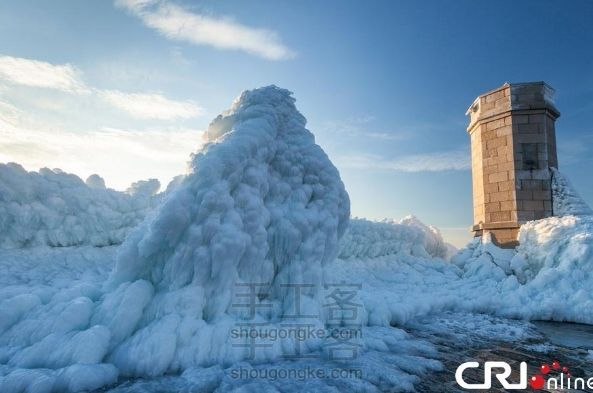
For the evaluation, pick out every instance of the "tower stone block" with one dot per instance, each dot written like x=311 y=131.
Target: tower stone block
x=513 y=147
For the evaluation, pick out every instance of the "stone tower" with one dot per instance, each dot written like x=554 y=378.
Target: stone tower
x=513 y=145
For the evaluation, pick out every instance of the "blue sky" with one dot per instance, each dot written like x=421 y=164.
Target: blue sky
x=125 y=89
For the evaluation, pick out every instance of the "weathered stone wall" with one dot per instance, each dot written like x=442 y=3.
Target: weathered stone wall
x=513 y=146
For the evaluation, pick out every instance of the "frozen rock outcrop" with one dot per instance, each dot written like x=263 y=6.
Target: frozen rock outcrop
x=57 y=209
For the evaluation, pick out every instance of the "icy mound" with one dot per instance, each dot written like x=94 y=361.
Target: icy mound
x=548 y=276
x=262 y=206
x=371 y=239
x=562 y=242
x=432 y=240
x=555 y=258
x=57 y=209
x=263 y=201
x=566 y=200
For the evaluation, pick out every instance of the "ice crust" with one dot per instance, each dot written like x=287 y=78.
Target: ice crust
x=262 y=204
x=57 y=209
x=566 y=200
x=372 y=239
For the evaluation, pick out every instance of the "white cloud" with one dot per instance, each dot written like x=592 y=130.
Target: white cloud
x=151 y=106
x=177 y=23
x=119 y=156
x=135 y=5
x=361 y=127
x=9 y=114
x=21 y=71
x=66 y=78
x=430 y=162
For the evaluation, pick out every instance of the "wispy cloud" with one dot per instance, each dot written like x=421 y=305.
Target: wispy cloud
x=35 y=73
x=36 y=142
x=36 y=145
x=151 y=106
x=9 y=114
x=177 y=23
x=68 y=79
x=430 y=162
x=361 y=127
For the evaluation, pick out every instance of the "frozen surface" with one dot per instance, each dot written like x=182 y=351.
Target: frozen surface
x=549 y=275
x=262 y=210
x=57 y=209
x=566 y=199
x=262 y=205
x=371 y=239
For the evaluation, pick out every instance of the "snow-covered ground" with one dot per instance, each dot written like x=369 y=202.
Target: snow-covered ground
x=141 y=291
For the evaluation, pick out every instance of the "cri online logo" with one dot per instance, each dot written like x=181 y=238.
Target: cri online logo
x=552 y=376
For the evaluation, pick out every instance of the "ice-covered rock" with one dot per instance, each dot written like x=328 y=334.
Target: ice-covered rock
x=262 y=207
x=432 y=240
x=554 y=262
x=144 y=188
x=566 y=200
x=372 y=239
x=95 y=181
x=548 y=276
x=57 y=209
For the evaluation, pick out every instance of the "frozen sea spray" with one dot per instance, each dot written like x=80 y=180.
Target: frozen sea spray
x=262 y=210
x=57 y=209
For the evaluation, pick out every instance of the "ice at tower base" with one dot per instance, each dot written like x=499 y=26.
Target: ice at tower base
x=99 y=287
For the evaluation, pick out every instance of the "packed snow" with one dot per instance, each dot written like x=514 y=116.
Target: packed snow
x=145 y=291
